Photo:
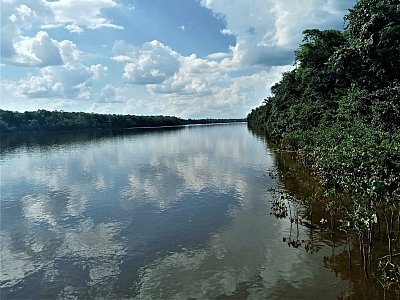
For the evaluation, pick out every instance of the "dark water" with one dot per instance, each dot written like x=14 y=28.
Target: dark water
x=162 y=214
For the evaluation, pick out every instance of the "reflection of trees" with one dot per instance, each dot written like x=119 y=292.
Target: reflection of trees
x=51 y=140
x=366 y=254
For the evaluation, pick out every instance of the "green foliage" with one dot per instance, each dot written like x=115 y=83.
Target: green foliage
x=318 y=46
x=340 y=107
x=373 y=39
x=60 y=120
x=342 y=101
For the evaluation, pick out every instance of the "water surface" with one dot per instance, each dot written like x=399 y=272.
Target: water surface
x=160 y=214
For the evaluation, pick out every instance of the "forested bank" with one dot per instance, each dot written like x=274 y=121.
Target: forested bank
x=42 y=120
x=340 y=109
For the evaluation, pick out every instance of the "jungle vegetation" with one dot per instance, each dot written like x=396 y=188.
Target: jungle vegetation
x=339 y=109
x=44 y=120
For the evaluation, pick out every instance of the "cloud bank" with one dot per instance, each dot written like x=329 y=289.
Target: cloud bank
x=153 y=78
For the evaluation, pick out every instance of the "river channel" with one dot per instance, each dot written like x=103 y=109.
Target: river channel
x=173 y=213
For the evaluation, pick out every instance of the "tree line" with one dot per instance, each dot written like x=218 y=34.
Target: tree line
x=339 y=108
x=341 y=102
x=41 y=120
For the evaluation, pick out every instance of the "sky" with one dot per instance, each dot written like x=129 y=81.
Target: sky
x=187 y=58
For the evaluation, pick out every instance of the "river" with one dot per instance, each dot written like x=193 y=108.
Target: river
x=173 y=213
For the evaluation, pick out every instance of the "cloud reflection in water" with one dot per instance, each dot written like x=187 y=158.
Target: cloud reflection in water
x=178 y=214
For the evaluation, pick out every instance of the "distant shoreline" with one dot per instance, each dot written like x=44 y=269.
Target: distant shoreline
x=55 y=121
x=189 y=125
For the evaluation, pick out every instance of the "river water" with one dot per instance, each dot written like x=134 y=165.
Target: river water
x=173 y=213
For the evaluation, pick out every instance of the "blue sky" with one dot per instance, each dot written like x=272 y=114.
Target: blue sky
x=188 y=58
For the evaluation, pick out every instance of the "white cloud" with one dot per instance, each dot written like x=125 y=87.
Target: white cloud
x=39 y=51
x=226 y=96
x=98 y=71
x=18 y=16
x=75 y=14
x=218 y=55
x=23 y=14
x=123 y=52
x=13 y=99
x=195 y=77
x=166 y=82
x=226 y=31
x=231 y=84
x=74 y=28
x=108 y=94
x=154 y=64
x=188 y=86
x=180 y=84
x=167 y=72
x=69 y=51
x=272 y=29
x=292 y=18
x=101 y=108
x=66 y=81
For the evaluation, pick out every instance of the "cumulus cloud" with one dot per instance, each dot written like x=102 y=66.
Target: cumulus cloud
x=189 y=86
x=123 y=52
x=110 y=94
x=69 y=81
x=23 y=13
x=272 y=29
x=226 y=31
x=74 y=28
x=227 y=96
x=226 y=84
x=69 y=51
x=19 y=16
x=290 y=17
x=218 y=55
x=38 y=51
x=165 y=71
x=197 y=77
x=42 y=51
x=98 y=71
x=75 y=13
x=183 y=85
x=154 y=64
x=236 y=81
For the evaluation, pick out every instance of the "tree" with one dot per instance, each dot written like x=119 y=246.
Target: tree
x=374 y=42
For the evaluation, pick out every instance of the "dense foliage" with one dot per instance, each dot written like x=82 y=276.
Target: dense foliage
x=60 y=120
x=340 y=107
x=341 y=103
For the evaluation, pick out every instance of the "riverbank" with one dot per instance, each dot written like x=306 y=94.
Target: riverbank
x=339 y=109
x=43 y=120
x=364 y=165
x=359 y=159
x=170 y=202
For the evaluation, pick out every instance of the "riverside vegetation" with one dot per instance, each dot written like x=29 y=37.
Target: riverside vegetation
x=339 y=110
x=44 y=120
